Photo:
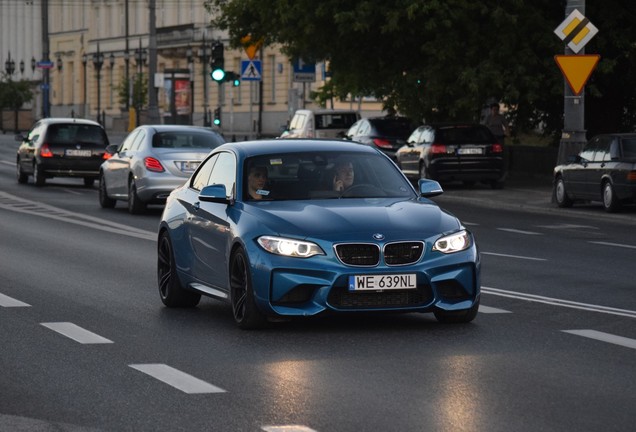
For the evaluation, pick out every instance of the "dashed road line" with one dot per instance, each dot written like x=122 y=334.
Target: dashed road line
x=604 y=337
x=516 y=231
x=492 y=310
x=177 y=379
x=287 y=428
x=613 y=244
x=76 y=333
x=6 y=301
x=514 y=256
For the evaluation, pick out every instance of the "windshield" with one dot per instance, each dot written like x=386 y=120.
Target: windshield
x=187 y=139
x=629 y=148
x=335 y=120
x=323 y=175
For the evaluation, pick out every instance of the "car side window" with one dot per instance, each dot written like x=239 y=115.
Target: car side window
x=224 y=172
x=428 y=136
x=128 y=142
x=588 y=151
x=201 y=178
x=602 y=153
x=353 y=129
x=138 y=140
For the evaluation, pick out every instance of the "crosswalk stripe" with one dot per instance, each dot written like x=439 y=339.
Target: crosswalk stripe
x=604 y=337
x=492 y=310
x=177 y=379
x=76 y=333
x=6 y=301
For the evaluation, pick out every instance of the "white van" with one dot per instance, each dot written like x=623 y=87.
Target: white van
x=320 y=123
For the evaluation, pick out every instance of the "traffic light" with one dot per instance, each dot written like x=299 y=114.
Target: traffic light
x=218 y=63
x=233 y=77
x=217 y=116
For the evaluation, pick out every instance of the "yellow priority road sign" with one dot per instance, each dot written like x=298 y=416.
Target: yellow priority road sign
x=577 y=69
x=576 y=31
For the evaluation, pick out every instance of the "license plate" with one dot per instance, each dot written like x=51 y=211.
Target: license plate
x=382 y=282
x=470 y=151
x=81 y=153
x=189 y=166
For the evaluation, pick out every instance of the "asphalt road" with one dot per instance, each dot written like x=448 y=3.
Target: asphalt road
x=87 y=345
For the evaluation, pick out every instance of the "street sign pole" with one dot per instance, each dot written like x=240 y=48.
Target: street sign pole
x=573 y=135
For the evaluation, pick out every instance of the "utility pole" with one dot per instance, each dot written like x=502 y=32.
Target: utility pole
x=46 y=105
x=153 y=106
x=573 y=137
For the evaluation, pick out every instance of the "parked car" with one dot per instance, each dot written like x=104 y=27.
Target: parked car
x=61 y=147
x=454 y=152
x=384 y=133
x=150 y=162
x=605 y=171
x=320 y=123
x=306 y=249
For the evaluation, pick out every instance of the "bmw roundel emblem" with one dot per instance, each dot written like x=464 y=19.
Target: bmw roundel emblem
x=378 y=236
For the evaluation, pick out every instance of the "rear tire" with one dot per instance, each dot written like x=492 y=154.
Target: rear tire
x=171 y=291
x=38 y=175
x=135 y=204
x=246 y=313
x=611 y=204
x=460 y=316
x=104 y=200
x=560 y=194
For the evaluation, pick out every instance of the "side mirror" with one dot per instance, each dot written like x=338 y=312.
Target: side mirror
x=429 y=188
x=111 y=149
x=214 y=193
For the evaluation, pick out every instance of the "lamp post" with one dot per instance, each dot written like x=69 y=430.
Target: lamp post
x=9 y=67
x=21 y=67
x=190 y=58
x=84 y=61
x=98 y=62
x=140 y=58
x=33 y=64
x=204 y=55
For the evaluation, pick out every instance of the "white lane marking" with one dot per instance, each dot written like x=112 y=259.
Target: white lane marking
x=21 y=205
x=516 y=231
x=76 y=333
x=613 y=244
x=559 y=302
x=72 y=192
x=492 y=310
x=470 y=223
x=6 y=301
x=287 y=428
x=567 y=226
x=8 y=163
x=514 y=256
x=604 y=337
x=177 y=379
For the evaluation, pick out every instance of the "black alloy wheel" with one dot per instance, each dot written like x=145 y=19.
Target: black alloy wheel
x=171 y=291
x=246 y=313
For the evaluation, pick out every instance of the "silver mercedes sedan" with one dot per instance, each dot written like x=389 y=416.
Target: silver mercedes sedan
x=151 y=162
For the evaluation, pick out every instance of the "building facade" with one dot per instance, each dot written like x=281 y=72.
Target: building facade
x=97 y=46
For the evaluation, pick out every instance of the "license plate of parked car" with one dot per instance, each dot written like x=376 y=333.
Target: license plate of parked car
x=189 y=166
x=382 y=282
x=469 y=151
x=80 y=153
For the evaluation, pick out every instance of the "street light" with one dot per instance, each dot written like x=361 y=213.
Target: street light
x=22 y=67
x=84 y=61
x=59 y=64
x=204 y=55
x=98 y=62
x=189 y=56
x=33 y=64
x=141 y=58
x=9 y=66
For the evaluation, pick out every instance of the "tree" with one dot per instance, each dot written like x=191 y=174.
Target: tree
x=14 y=94
x=139 y=91
x=442 y=60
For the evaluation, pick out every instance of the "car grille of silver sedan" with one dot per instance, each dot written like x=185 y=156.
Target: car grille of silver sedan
x=368 y=254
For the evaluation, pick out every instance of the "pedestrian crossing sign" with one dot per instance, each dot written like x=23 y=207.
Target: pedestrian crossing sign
x=251 y=70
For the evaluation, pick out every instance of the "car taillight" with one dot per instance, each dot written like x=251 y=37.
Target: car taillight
x=631 y=176
x=106 y=156
x=438 y=148
x=153 y=164
x=497 y=148
x=381 y=142
x=45 y=151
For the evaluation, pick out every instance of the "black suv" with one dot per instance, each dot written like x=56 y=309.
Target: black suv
x=459 y=152
x=61 y=147
x=384 y=133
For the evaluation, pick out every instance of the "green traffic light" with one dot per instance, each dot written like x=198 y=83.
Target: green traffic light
x=217 y=122
x=218 y=75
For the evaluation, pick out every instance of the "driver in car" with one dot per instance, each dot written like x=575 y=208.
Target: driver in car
x=343 y=179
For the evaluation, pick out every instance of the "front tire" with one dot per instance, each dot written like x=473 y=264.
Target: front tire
x=246 y=313
x=171 y=291
x=460 y=316
x=104 y=200
x=560 y=194
x=611 y=204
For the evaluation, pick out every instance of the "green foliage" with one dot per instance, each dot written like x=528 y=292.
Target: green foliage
x=444 y=59
x=14 y=94
x=139 y=90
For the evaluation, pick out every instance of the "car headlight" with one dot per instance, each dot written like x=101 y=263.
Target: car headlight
x=453 y=243
x=289 y=247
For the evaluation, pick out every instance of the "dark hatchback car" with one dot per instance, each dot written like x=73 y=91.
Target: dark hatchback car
x=61 y=147
x=459 y=152
x=605 y=171
x=384 y=133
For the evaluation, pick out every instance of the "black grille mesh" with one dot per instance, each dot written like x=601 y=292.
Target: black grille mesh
x=403 y=253
x=342 y=298
x=359 y=254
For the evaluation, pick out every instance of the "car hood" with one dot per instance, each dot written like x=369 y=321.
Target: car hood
x=354 y=219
